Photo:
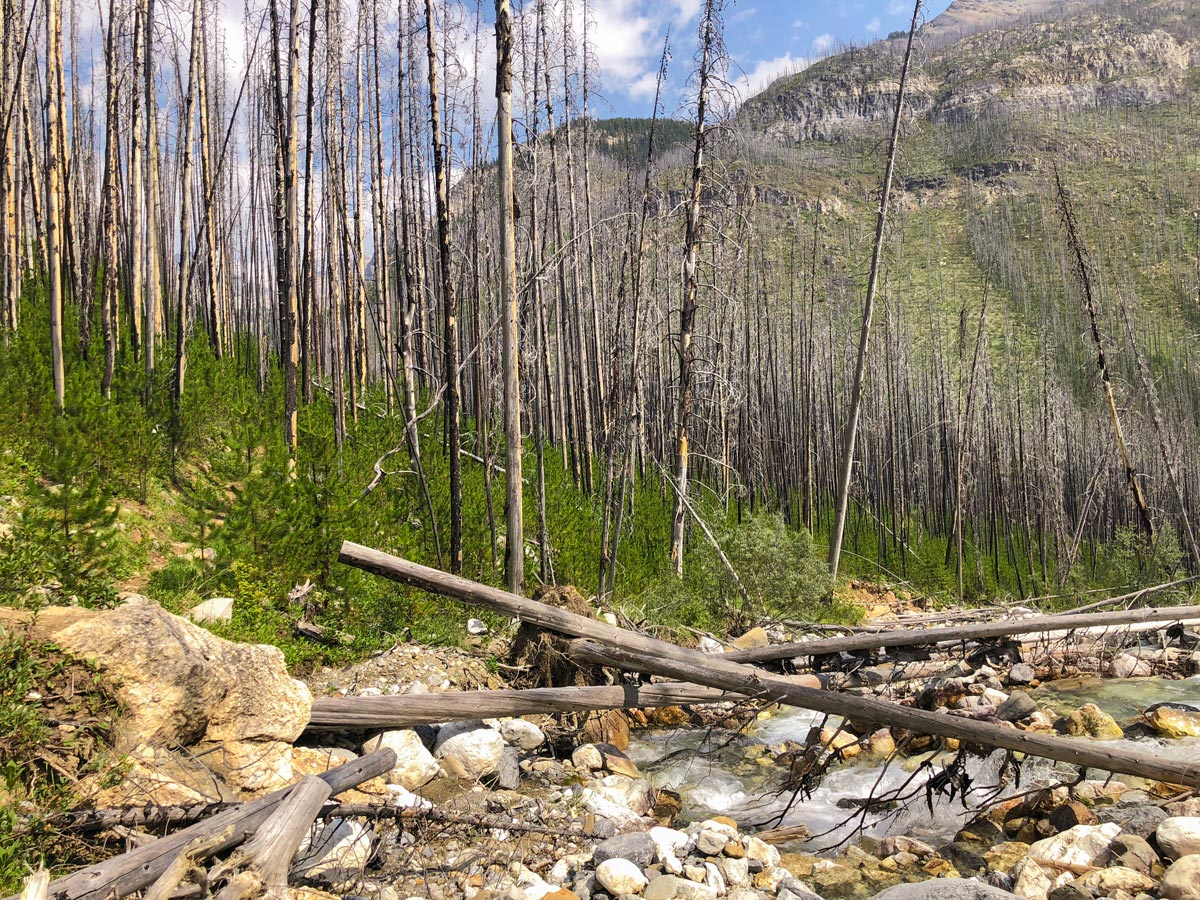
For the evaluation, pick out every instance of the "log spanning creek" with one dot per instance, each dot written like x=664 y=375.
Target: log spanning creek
x=721 y=772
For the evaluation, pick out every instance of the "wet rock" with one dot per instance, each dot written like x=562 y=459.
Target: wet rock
x=1071 y=891
x=469 y=749
x=1103 y=882
x=1021 y=673
x=841 y=741
x=1083 y=845
x=967 y=857
x=1178 y=836
x=1135 y=853
x=620 y=876
x=1182 y=880
x=1091 y=721
x=1141 y=819
x=1018 y=705
x=415 y=766
x=521 y=734
x=1173 y=720
x=636 y=846
x=1071 y=814
x=1003 y=857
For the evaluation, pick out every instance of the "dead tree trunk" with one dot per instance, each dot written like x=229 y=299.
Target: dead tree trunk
x=864 y=338
x=514 y=543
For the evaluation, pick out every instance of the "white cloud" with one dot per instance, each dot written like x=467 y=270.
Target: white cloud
x=644 y=87
x=872 y=26
x=899 y=8
x=765 y=72
x=799 y=24
x=742 y=14
x=685 y=10
x=823 y=43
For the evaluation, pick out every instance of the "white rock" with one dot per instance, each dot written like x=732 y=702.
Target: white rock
x=994 y=697
x=620 y=876
x=710 y=646
x=761 y=851
x=1030 y=880
x=634 y=794
x=713 y=878
x=587 y=758
x=1082 y=845
x=1179 y=836
x=415 y=766
x=601 y=806
x=1182 y=880
x=1126 y=665
x=476 y=626
x=736 y=871
x=469 y=749
x=218 y=609
x=521 y=734
x=341 y=846
x=608 y=617
x=402 y=798
x=667 y=841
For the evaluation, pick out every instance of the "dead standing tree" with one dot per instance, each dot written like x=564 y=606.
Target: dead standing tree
x=1082 y=270
x=847 y=461
x=710 y=39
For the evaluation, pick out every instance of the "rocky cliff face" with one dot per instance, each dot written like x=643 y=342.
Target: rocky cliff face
x=1094 y=58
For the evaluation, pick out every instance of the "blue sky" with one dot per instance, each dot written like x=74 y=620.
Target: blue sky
x=764 y=39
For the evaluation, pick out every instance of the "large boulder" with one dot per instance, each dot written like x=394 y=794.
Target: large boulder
x=1179 y=836
x=180 y=685
x=620 y=876
x=469 y=749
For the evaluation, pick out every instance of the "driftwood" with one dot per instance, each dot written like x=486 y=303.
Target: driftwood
x=140 y=868
x=1064 y=623
x=261 y=865
x=645 y=654
x=407 y=710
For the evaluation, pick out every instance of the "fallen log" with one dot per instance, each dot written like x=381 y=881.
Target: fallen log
x=1064 y=624
x=140 y=868
x=641 y=653
x=407 y=710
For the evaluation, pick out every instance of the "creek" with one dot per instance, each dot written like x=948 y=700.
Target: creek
x=721 y=772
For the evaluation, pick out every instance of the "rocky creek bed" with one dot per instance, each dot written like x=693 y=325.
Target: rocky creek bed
x=737 y=801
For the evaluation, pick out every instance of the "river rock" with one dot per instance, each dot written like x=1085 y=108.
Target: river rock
x=1178 y=836
x=1070 y=814
x=1174 y=721
x=1141 y=819
x=1004 y=856
x=179 y=684
x=1182 y=880
x=944 y=889
x=469 y=749
x=522 y=734
x=587 y=758
x=1018 y=705
x=1021 y=673
x=1126 y=665
x=760 y=851
x=1083 y=845
x=1091 y=721
x=736 y=872
x=841 y=740
x=620 y=876
x=667 y=841
x=477 y=627
x=1103 y=882
x=1069 y=891
x=1033 y=881
x=710 y=843
x=710 y=646
x=415 y=766
x=1135 y=853
x=218 y=609
x=636 y=846
x=754 y=639
x=1094 y=790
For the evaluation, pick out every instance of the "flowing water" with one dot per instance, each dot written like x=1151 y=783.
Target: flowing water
x=715 y=771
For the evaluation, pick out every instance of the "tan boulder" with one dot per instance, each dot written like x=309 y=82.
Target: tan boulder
x=180 y=685
x=155 y=776
x=754 y=639
x=251 y=766
x=1091 y=721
